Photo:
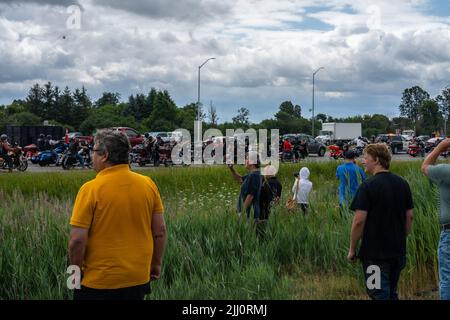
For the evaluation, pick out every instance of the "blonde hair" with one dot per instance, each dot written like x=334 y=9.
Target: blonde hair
x=381 y=152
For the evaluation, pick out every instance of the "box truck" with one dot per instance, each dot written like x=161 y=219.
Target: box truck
x=332 y=132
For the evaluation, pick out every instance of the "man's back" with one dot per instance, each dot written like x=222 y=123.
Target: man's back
x=386 y=197
x=117 y=206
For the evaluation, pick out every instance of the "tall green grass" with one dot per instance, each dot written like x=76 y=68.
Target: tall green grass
x=211 y=253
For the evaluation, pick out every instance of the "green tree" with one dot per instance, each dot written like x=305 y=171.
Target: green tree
x=412 y=100
x=164 y=113
x=212 y=115
x=17 y=106
x=242 y=117
x=66 y=107
x=81 y=107
x=24 y=119
x=108 y=98
x=288 y=108
x=321 y=117
x=34 y=100
x=108 y=116
x=431 y=117
x=443 y=101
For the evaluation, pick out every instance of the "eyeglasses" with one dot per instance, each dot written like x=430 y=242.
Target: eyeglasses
x=96 y=150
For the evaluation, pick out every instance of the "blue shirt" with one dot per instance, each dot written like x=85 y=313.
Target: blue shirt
x=350 y=177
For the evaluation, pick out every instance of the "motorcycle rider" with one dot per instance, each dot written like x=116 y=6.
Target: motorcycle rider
x=287 y=148
x=304 y=148
x=149 y=145
x=421 y=144
x=41 y=142
x=73 y=149
x=297 y=149
x=157 y=144
x=4 y=149
x=48 y=143
x=85 y=152
x=360 y=145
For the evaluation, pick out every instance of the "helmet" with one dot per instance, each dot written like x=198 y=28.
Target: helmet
x=147 y=135
x=3 y=137
x=49 y=137
x=41 y=136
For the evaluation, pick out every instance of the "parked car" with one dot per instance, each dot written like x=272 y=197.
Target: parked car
x=314 y=146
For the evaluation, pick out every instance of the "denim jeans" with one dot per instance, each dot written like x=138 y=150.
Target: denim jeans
x=389 y=275
x=80 y=159
x=444 y=265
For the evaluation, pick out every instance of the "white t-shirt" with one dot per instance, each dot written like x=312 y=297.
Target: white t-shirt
x=360 y=143
x=304 y=189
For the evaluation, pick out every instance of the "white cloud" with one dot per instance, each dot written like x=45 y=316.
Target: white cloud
x=265 y=51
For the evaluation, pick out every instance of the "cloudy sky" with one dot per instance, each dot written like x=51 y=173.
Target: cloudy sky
x=266 y=51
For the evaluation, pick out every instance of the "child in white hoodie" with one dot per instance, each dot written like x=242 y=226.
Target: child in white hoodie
x=302 y=188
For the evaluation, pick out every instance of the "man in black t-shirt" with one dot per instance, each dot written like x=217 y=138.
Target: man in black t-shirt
x=250 y=186
x=383 y=218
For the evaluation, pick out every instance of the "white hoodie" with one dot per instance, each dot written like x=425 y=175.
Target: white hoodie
x=304 y=187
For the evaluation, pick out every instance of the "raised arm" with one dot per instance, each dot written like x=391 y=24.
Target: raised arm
x=236 y=175
x=434 y=155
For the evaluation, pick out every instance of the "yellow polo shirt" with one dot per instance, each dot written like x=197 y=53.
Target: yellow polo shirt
x=117 y=208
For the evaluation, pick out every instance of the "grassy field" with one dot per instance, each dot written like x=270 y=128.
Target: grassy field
x=211 y=254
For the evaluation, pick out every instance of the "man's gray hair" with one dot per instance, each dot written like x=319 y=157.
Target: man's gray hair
x=115 y=143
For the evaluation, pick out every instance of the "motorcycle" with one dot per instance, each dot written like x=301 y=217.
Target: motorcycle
x=165 y=154
x=415 y=150
x=336 y=152
x=69 y=159
x=287 y=156
x=31 y=151
x=18 y=158
x=49 y=157
x=141 y=155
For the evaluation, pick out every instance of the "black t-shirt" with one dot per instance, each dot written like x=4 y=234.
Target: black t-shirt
x=275 y=186
x=386 y=197
x=251 y=185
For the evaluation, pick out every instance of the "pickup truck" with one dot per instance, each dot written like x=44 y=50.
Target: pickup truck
x=78 y=136
x=134 y=137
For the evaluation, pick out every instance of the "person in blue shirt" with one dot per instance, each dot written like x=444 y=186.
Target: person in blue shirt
x=350 y=177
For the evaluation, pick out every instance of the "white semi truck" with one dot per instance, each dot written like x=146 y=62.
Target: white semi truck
x=332 y=132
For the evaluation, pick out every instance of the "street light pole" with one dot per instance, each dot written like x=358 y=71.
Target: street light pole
x=198 y=98
x=314 y=75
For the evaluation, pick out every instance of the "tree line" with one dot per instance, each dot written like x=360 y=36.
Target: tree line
x=156 y=111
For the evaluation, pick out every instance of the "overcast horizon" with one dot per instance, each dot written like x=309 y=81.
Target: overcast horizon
x=265 y=51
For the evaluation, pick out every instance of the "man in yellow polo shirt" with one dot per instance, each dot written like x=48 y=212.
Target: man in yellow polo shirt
x=118 y=231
